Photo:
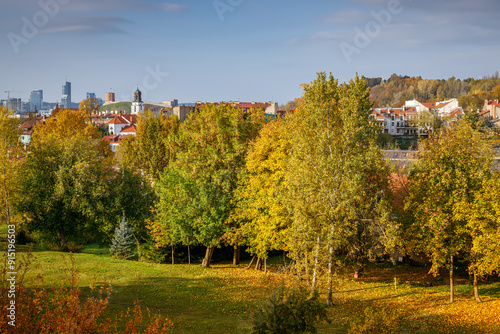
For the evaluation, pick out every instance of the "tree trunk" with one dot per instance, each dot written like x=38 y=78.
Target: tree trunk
x=252 y=261
x=208 y=257
x=315 y=270
x=189 y=254
x=452 y=289
x=258 y=265
x=172 y=249
x=265 y=266
x=297 y=268
x=306 y=258
x=63 y=239
x=476 y=289
x=358 y=272
x=330 y=273
x=236 y=255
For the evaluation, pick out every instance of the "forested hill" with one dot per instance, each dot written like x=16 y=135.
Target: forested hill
x=397 y=89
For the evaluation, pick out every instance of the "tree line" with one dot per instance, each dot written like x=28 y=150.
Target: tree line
x=313 y=185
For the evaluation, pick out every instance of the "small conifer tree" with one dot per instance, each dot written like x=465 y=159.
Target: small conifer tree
x=123 y=241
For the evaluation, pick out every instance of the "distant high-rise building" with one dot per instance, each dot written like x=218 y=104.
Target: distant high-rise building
x=110 y=97
x=36 y=100
x=14 y=104
x=89 y=95
x=66 y=95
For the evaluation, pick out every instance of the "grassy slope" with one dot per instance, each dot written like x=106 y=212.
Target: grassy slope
x=220 y=299
x=125 y=106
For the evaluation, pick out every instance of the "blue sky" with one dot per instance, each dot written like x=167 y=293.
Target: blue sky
x=247 y=50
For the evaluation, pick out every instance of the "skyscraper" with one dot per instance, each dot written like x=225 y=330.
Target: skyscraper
x=66 y=95
x=36 y=100
x=90 y=95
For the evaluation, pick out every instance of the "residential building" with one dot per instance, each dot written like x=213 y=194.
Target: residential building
x=121 y=122
x=492 y=109
x=409 y=120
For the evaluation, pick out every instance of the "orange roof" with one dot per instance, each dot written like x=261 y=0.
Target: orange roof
x=429 y=105
x=124 y=119
x=129 y=129
x=456 y=112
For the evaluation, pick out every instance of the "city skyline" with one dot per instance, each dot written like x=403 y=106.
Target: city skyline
x=236 y=50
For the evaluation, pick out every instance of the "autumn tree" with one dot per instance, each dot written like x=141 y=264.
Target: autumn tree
x=265 y=220
x=336 y=175
x=483 y=223
x=62 y=182
x=11 y=154
x=90 y=106
x=211 y=151
x=150 y=149
x=452 y=165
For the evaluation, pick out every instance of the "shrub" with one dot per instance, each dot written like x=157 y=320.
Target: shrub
x=296 y=313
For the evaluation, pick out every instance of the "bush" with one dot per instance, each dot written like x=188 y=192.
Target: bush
x=296 y=313
x=150 y=253
x=73 y=247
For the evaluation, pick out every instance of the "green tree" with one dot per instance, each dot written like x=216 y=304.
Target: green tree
x=123 y=242
x=450 y=170
x=337 y=176
x=483 y=222
x=131 y=194
x=62 y=182
x=211 y=151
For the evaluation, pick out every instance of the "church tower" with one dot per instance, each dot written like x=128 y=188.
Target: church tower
x=137 y=105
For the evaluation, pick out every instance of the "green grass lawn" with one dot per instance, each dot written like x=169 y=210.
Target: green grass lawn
x=221 y=299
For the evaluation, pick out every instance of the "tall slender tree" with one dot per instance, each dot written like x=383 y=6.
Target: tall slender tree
x=337 y=176
x=452 y=165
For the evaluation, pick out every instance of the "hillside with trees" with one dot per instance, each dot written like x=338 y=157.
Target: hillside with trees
x=394 y=91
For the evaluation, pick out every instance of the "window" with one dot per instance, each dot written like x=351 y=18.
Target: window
x=395 y=155
x=392 y=117
x=392 y=123
x=401 y=118
x=397 y=124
